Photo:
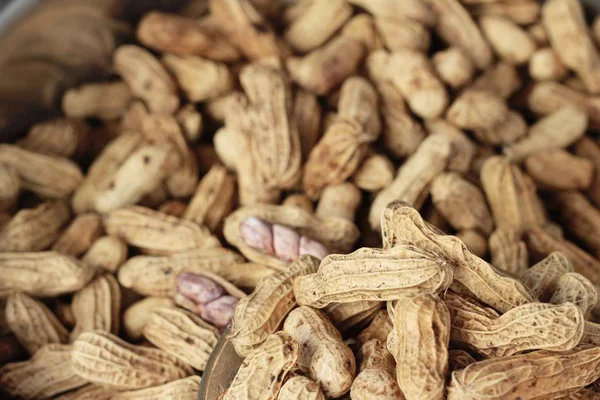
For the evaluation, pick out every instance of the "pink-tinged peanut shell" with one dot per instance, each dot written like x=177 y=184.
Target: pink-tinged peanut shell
x=198 y=288
x=312 y=247
x=285 y=242
x=337 y=235
x=257 y=234
x=219 y=312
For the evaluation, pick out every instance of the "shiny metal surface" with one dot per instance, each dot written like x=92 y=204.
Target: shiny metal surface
x=220 y=369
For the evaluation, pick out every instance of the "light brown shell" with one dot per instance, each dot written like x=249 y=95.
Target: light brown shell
x=347 y=317
x=375 y=275
x=324 y=356
x=274 y=358
x=300 y=387
x=97 y=306
x=336 y=234
x=262 y=312
x=422 y=329
x=33 y=323
x=158 y=232
x=532 y=375
x=182 y=334
x=136 y=316
x=402 y=224
x=107 y=360
x=34 y=229
x=49 y=372
x=179 y=389
x=79 y=236
x=43 y=274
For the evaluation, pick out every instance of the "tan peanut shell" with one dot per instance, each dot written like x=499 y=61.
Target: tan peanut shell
x=522 y=12
x=267 y=159
x=33 y=323
x=139 y=175
x=300 y=387
x=43 y=274
x=568 y=172
x=182 y=334
x=179 y=389
x=531 y=375
x=350 y=316
x=479 y=110
x=317 y=24
x=59 y=137
x=403 y=34
x=49 y=372
x=376 y=378
x=413 y=75
x=47 y=176
x=88 y=392
x=576 y=289
x=146 y=78
x=362 y=28
x=589 y=149
x=459 y=359
x=106 y=253
x=454 y=67
x=345 y=144
x=422 y=329
x=401 y=134
x=462 y=149
x=474 y=240
x=546 y=65
x=559 y=129
x=245 y=28
x=379 y=328
x=200 y=79
x=340 y=201
x=549 y=97
x=152 y=230
x=191 y=122
x=376 y=172
x=542 y=277
x=34 y=229
x=213 y=200
x=101 y=100
x=468 y=212
x=103 y=169
x=502 y=79
x=569 y=35
x=97 y=306
x=511 y=194
x=107 y=360
x=182 y=35
x=157 y=276
x=299 y=200
x=541 y=243
x=10 y=187
x=336 y=234
x=527 y=327
x=261 y=313
x=580 y=217
x=164 y=131
x=307 y=113
x=402 y=225
x=79 y=236
x=500 y=32
x=393 y=273
x=414 y=175
x=274 y=358
x=324 y=356
x=174 y=208
x=321 y=70
x=457 y=28
x=137 y=315
x=386 y=8
x=358 y=100
x=508 y=251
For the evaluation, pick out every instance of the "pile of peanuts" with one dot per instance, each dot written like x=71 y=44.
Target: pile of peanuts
x=373 y=199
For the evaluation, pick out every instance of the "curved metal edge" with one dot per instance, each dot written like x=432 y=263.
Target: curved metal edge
x=14 y=11
x=225 y=357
